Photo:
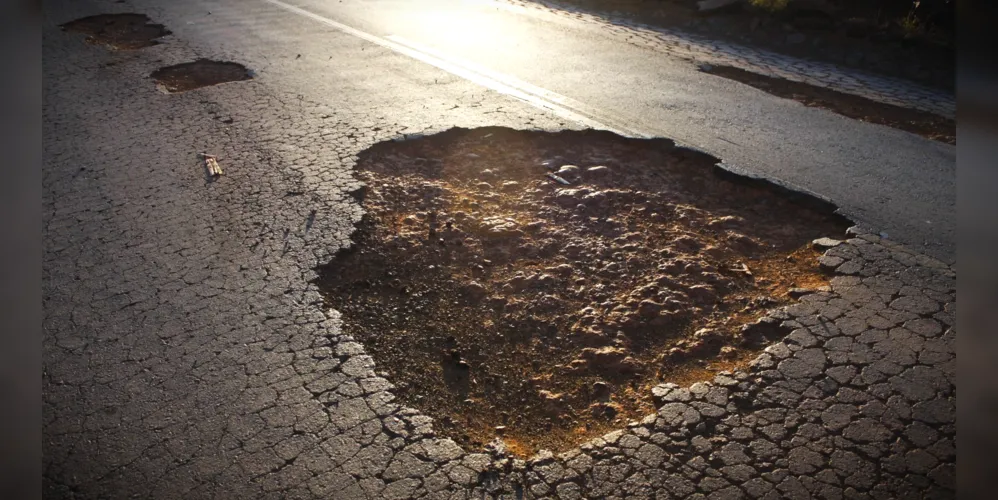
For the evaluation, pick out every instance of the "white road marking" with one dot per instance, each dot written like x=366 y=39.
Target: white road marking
x=538 y=97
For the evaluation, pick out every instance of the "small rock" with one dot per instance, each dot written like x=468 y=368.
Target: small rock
x=742 y=241
x=728 y=352
x=591 y=337
x=649 y=309
x=568 y=170
x=598 y=170
x=510 y=185
x=702 y=293
x=610 y=359
x=676 y=354
x=687 y=243
x=765 y=327
x=474 y=291
x=629 y=365
x=603 y=410
x=546 y=280
x=568 y=197
x=725 y=222
x=822 y=243
x=553 y=402
x=605 y=355
x=714 y=252
x=561 y=269
x=708 y=335
x=601 y=390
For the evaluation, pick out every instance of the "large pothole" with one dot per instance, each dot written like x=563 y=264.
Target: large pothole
x=201 y=73
x=118 y=31
x=502 y=301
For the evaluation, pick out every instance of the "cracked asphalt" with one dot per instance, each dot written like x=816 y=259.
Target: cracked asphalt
x=187 y=355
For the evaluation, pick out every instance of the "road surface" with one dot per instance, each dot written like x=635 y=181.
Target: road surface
x=891 y=181
x=187 y=355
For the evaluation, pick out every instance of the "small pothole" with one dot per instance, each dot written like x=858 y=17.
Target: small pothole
x=502 y=301
x=118 y=31
x=197 y=74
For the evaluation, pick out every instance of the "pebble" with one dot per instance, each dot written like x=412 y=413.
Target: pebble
x=822 y=243
x=601 y=390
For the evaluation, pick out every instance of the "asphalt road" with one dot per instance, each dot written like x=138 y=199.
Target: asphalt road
x=888 y=180
x=186 y=353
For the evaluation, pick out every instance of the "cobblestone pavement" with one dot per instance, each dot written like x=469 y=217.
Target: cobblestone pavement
x=186 y=354
x=704 y=50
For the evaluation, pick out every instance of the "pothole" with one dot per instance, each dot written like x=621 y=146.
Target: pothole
x=923 y=123
x=501 y=301
x=201 y=73
x=118 y=31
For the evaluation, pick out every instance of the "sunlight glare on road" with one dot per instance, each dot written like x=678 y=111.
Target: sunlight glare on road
x=457 y=26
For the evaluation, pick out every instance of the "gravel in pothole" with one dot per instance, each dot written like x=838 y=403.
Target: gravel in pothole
x=118 y=31
x=201 y=73
x=502 y=302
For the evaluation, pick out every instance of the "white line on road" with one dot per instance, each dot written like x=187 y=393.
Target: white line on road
x=541 y=98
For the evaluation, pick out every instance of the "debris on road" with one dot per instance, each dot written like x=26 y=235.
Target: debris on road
x=211 y=165
x=558 y=179
x=742 y=268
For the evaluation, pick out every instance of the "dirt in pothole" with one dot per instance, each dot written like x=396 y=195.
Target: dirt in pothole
x=197 y=74
x=503 y=302
x=925 y=124
x=118 y=31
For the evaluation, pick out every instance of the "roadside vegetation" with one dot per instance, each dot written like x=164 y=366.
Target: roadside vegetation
x=911 y=39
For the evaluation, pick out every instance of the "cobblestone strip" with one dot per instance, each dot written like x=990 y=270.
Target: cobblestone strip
x=703 y=50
